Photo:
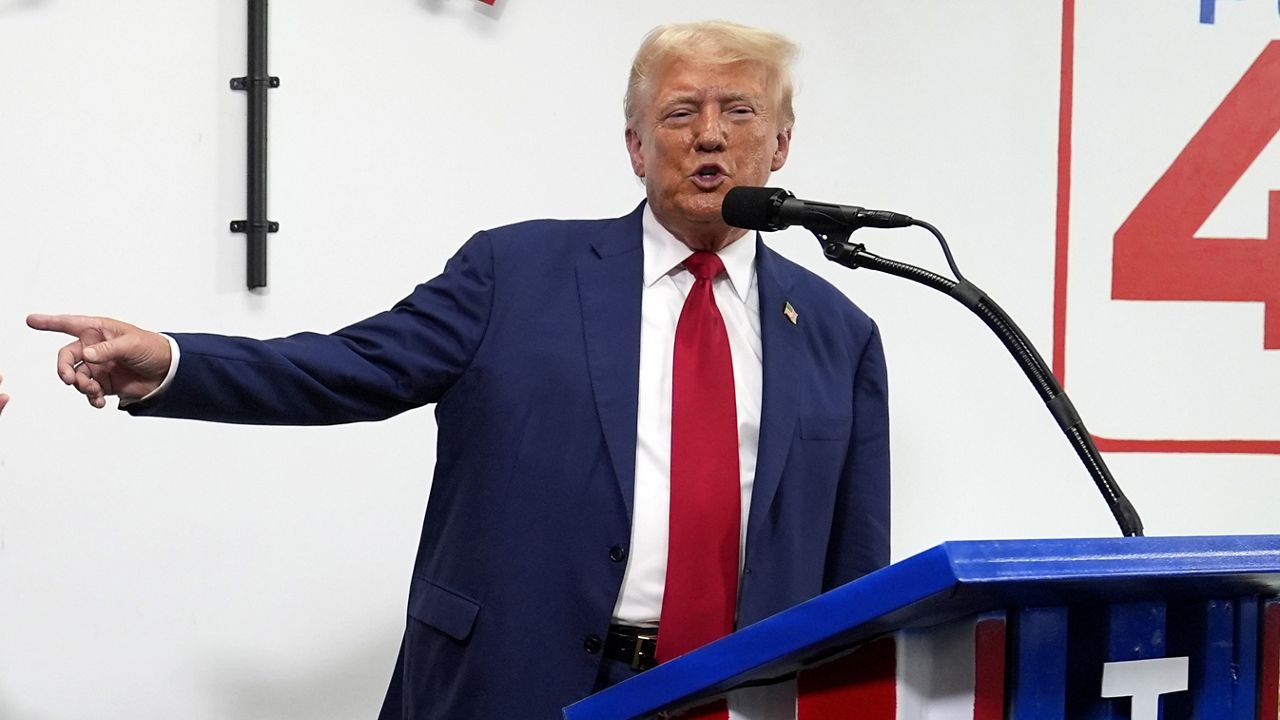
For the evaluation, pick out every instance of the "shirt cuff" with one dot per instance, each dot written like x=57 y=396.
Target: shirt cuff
x=175 y=355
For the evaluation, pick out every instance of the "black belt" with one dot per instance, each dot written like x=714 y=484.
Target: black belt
x=632 y=645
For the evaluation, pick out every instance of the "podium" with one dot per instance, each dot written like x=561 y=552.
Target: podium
x=1095 y=629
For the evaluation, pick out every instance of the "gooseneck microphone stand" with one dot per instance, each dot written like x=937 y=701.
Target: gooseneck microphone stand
x=836 y=246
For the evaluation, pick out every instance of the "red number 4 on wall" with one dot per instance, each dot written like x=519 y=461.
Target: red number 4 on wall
x=1157 y=254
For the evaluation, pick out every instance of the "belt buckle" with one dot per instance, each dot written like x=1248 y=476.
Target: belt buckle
x=636 y=655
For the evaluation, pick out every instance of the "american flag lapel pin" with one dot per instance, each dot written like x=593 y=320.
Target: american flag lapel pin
x=790 y=312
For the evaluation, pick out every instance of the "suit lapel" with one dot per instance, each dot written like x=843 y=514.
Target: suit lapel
x=609 y=288
x=610 y=281
x=782 y=349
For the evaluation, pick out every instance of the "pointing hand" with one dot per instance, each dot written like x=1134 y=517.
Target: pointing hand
x=108 y=357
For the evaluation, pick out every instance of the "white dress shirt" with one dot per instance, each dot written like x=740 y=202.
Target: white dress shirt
x=666 y=284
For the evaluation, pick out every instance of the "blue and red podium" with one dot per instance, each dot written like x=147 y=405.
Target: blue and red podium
x=1093 y=629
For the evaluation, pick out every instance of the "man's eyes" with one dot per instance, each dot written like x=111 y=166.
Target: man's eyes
x=737 y=111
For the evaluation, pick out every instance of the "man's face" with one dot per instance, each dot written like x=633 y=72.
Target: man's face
x=707 y=128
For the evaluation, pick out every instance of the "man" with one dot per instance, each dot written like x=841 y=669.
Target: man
x=585 y=383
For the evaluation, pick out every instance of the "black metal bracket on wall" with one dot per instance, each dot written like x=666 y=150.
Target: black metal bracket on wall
x=256 y=84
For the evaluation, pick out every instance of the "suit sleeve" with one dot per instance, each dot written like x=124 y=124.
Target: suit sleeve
x=403 y=358
x=860 y=532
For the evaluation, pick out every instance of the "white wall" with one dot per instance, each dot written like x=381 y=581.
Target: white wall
x=153 y=568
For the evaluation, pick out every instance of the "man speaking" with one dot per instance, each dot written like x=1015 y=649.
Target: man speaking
x=652 y=429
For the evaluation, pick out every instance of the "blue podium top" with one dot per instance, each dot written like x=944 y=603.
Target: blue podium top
x=950 y=581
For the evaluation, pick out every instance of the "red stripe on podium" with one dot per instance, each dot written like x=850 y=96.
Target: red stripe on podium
x=988 y=665
x=859 y=686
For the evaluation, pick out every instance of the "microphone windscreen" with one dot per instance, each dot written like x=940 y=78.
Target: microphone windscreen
x=752 y=208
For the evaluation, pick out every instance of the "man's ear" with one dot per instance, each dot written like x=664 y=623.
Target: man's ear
x=784 y=147
x=633 y=149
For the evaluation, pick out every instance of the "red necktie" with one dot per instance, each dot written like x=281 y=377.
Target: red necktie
x=701 y=592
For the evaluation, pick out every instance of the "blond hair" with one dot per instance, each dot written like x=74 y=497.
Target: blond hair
x=715 y=41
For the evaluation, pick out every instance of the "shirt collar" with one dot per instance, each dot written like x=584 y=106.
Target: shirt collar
x=663 y=253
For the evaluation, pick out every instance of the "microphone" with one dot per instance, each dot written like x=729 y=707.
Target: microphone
x=769 y=209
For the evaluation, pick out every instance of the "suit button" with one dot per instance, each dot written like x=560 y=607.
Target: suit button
x=617 y=553
x=591 y=644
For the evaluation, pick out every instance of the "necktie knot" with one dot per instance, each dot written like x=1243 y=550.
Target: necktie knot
x=704 y=265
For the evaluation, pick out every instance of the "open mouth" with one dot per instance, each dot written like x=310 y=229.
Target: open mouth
x=709 y=176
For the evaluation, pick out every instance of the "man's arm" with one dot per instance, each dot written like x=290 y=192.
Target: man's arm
x=860 y=531
x=395 y=360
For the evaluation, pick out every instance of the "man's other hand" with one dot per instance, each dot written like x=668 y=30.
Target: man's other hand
x=108 y=357
x=4 y=399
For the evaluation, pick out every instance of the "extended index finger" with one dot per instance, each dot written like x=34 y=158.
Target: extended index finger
x=69 y=324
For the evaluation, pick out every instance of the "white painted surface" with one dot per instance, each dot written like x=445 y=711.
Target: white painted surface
x=1145 y=681
x=936 y=672
x=766 y=702
x=181 y=570
x=1178 y=370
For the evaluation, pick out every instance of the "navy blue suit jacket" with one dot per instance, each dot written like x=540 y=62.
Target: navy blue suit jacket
x=528 y=345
